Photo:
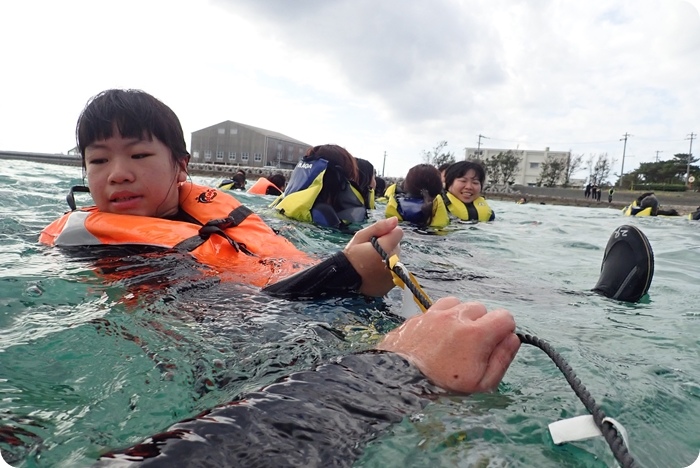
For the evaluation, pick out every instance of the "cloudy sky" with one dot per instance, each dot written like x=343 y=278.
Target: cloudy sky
x=375 y=76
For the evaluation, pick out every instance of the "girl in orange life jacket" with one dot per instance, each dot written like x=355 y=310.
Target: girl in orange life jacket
x=135 y=160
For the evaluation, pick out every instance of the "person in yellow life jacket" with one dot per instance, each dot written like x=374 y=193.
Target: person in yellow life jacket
x=273 y=185
x=645 y=205
x=366 y=182
x=464 y=181
x=379 y=190
x=323 y=189
x=418 y=200
x=237 y=182
x=135 y=158
x=695 y=215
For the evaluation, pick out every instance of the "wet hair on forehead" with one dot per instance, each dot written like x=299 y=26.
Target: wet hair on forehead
x=135 y=114
x=460 y=169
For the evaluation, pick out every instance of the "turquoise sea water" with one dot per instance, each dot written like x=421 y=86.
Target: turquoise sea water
x=87 y=365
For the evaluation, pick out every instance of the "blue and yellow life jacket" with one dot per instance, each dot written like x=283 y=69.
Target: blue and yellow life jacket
x=299 y=200
x=478 y=210
x=409 y=209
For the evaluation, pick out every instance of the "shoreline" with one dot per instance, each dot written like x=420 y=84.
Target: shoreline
x=683 y=206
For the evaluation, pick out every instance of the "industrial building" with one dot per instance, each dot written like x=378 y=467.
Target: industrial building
x=237 y=144
x=530 y=166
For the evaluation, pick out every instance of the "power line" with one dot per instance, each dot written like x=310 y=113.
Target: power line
x=691 y=137
x=624 y=149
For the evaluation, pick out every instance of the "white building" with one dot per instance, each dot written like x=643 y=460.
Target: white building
x=530 y=167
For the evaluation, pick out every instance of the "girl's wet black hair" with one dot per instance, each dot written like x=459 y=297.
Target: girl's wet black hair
x=459 y=169
x=136 y=114
x=423 y=181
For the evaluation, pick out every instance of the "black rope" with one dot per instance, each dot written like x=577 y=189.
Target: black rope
x=417 y=293
x=610 y=433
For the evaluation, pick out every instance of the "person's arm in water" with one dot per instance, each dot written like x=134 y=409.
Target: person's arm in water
x=327 y=415
x=358 y=268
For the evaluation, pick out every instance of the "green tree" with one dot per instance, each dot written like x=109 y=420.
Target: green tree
x=670 y=171
x=437 y=156
x=598 y=167
x=553 y=170
x=573 y=163
x=501 y=168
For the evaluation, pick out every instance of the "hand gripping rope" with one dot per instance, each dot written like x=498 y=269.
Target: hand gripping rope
x=612 y=431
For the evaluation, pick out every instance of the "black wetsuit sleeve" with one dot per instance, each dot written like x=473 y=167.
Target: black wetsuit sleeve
x=333 y=276
x=321 y=417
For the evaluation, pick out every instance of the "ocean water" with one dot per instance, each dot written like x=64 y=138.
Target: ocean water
x=88 y=364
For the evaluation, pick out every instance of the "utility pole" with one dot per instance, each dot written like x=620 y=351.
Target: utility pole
x=478 y=148
x=624 y=149
x=691 y=137
x=657 y=155
x=384 y=164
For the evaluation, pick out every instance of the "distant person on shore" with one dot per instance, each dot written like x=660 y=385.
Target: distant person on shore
x=599 y=192
x=587 y=191
x=464 y=181
x=610 y=194
x=594 y=191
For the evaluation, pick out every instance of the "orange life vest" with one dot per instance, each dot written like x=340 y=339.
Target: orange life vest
x=231 y=239
x=260 y=187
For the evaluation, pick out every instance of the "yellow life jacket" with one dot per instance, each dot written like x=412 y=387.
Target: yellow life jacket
x=305 y=184
x=370 y=201
x=634 y=210
x=409 y=209
x=230 y=238
x=478 y=210
x=390 y=191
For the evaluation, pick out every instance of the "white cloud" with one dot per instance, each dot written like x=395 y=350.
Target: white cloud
x=372 y=76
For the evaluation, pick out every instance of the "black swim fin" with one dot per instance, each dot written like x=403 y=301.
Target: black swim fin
x=628 y=265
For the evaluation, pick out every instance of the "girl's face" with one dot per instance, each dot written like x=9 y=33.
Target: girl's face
x=466 y=188
x=133 y=176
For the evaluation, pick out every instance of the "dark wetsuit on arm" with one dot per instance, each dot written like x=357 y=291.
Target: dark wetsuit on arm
x=321 y=417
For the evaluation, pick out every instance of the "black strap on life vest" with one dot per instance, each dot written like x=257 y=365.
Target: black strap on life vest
x=70 y=198
x=217 y=226
x=472 y=212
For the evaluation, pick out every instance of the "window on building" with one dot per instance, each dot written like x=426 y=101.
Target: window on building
x=222 y=131
x=301 y=151
x=534 y=165
x=258 y=156
x=219 y=155
x=207 y=155
x=195 y=154
x=234 y=131
x=244 y=156
x=232 y=156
